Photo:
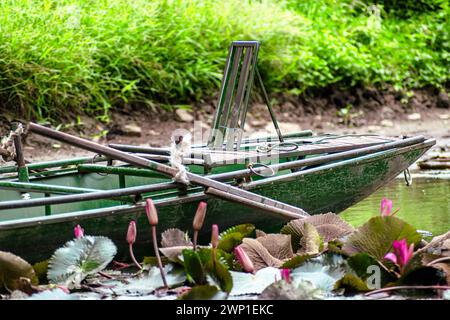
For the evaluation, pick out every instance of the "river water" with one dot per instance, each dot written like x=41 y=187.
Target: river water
x=425 y=204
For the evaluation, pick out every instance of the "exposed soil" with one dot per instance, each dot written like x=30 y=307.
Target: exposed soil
x=388 y=112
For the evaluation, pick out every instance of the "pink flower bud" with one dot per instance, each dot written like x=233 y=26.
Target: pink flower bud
x=286 y=275
x=244 y=260
x=199 y=216
x=386 y=207
x=132 y=231
x=215 y=236
x=78 y=231
x=152 y=214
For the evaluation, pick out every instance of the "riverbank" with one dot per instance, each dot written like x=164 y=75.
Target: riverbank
x=155 y=129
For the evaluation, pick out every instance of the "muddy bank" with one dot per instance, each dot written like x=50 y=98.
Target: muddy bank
x=357 y=110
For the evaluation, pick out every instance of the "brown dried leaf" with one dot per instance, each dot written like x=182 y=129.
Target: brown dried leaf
x=174 y=238
x=173 y=253
x=311 y=241
x=259 y=255
x=329 y=225
x=260 y=233
x=278 y=245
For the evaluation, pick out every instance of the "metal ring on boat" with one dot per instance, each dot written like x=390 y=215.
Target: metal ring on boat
x=278 y=147
x=251 y=165
x=93 y=161
x=408 y=177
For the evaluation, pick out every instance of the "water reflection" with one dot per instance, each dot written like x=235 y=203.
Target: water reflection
x=425 y=204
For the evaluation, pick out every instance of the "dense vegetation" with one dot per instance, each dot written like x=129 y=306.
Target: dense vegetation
x=90 y=55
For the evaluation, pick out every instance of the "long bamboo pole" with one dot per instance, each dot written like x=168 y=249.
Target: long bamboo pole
x=270 y=205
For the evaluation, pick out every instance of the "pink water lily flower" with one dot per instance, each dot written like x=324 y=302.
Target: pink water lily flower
x=386 y=207
x=78 y=232
x=401 y=253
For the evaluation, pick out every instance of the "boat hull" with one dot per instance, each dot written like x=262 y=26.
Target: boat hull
x=331 y=187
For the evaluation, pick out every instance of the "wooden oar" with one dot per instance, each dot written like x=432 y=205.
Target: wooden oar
x=226 y=192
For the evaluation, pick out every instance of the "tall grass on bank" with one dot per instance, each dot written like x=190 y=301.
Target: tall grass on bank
x=65 y=57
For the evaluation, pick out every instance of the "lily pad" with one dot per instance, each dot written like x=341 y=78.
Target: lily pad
x=321 y=276
x=376 y=236
x=351 y=284
x=79 y=258
x=296 y=261
x=247 y=283
x=278 y=245
x=329 y=225
x=53 y=294
x=259 y=255
x=175 y=238
x=311 y=242
x=233 y=236
x=193 y=267
x=281 y=290
x=204 y=292
x=12 y=268
x=221 y=275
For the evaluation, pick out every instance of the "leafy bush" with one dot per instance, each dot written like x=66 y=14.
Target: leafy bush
x=65 y=57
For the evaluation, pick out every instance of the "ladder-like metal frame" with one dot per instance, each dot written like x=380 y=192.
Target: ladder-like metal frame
x=237 y=83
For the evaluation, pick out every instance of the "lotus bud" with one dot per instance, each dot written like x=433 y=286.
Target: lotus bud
x=131 y=234
x=152 y=214
x=215 y=236
x=286 y=275
x=199 y=216
x=78 y=231
x=244 y=260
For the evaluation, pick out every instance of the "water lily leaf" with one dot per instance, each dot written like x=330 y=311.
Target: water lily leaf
x=278 y=245
x=329 y=225
x=12 y=268
x=260 y=233
x=247 y=283
x=280 y=290
x=296 y=261
x=40 y=269
x=351 y=284
x=321 y=276
x=175 y=238
x=244 y=229
x=376 y=236
x=221 y=275
x=193 y=267
x=53 y=294
x=311 y=242
x=205 y=255
x=259 y=255
x=233 y=236
x=174 y=254
x=145 y=283
x=204 y=292
x=79 y=258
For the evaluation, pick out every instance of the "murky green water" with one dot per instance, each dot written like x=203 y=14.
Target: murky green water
x=425 y=204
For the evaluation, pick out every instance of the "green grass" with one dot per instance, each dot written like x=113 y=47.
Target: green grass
x=60 y=58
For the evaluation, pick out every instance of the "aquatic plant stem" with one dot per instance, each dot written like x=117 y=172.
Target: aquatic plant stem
x=158 y=257
x=133 y=258
x=406 y=288
x=438 y=260
x=195 y=239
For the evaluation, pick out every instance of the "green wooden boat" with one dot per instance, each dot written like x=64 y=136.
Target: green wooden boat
x=317 y=182
x=41 y=203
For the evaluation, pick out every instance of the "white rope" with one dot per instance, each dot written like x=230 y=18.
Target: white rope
x=180 y=147
x=7 y=144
